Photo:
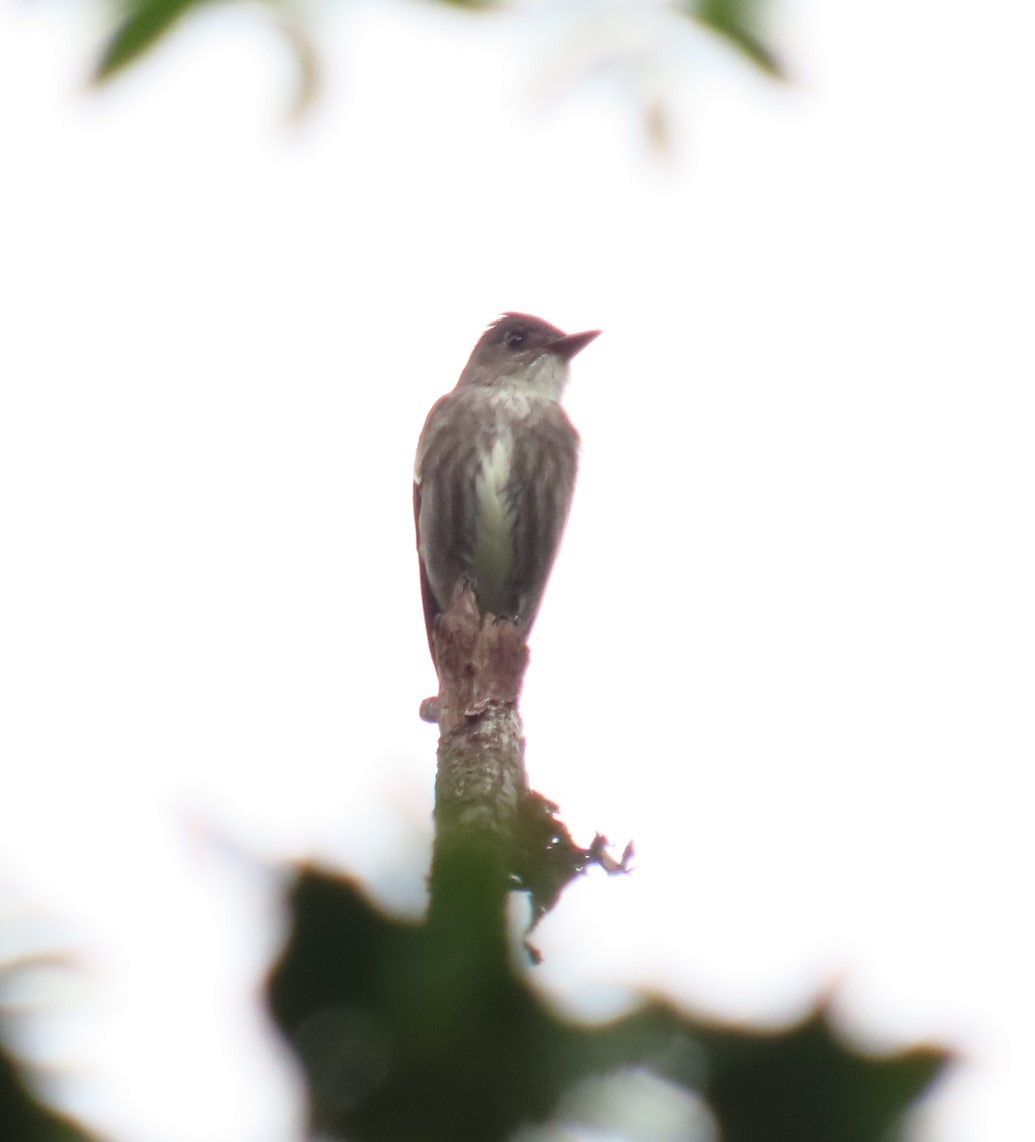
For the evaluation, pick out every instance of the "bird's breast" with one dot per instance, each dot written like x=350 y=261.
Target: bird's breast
x=493 y=554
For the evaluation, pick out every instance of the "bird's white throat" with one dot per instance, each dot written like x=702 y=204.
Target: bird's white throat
x=543 y=378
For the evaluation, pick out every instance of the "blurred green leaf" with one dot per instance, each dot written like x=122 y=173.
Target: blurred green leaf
x=22 y=1119
x=737 y=21
x=408 y=1033
x=804 y=1082
x=23 y=1116
x=143 y=24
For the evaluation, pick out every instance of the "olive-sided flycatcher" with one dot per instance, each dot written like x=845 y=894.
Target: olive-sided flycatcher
x=495 y=473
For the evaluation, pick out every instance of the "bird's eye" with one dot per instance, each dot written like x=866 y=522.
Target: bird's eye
x=514 y=339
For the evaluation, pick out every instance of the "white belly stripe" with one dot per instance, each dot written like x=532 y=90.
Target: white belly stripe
x=492 y=550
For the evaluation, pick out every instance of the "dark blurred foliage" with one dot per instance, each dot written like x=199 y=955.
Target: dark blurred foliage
x=429 y=1031
x=409 y=1032
x=23 y=1118
x=739 y=22
x=140 y=24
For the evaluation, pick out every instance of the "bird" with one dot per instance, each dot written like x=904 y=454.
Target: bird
x=495 y=473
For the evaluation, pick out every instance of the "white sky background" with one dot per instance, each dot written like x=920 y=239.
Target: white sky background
x=788 y=644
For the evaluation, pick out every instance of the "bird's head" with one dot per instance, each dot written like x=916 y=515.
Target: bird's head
x=522 y=352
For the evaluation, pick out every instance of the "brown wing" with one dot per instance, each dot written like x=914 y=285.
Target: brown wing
x=447 y=456
x=431 y=607
x=542 y=479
